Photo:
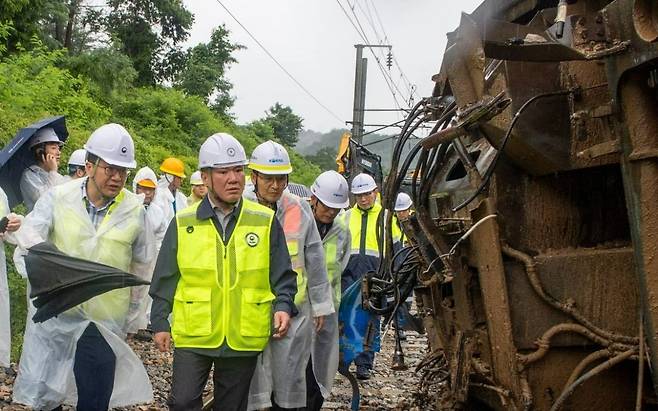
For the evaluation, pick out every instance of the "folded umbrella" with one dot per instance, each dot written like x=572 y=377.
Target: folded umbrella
x=15 y=157
x=101 y=281
x=60 y=282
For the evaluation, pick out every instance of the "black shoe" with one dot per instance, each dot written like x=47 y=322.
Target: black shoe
x=144 y=335
x=362 y=373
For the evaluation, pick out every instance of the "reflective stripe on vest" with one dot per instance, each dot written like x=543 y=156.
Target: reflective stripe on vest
x=224 y=290
x=73 y=233
x=291 y=221
x=363 y=226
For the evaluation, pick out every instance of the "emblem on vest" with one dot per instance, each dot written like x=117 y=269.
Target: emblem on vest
x=190 y=229
x=252 y=239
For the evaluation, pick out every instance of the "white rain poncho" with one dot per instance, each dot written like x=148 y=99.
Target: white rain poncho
x=281 y=368
x=140 y=300
x=35 y=181
x=45 y=376
x=325 y=352
x=165 y=200
x=5 y=329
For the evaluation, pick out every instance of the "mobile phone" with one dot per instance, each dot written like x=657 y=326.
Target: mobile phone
x=3 y=224
x=40 y=154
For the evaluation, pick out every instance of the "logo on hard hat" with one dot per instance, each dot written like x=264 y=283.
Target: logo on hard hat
x=124 y=150
x=230 y=151
x=276 y=160
x=252 y=239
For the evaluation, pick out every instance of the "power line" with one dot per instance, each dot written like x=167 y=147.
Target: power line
x=412 y=89
x=369 y=19
x=280 y=65
x=362 y=35
x=365 y=37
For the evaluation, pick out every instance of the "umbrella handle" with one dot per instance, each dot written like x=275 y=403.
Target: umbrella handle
x=344 y=370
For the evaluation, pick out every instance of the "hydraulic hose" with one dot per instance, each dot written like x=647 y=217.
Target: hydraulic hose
x=492 y=167
x=588 y=375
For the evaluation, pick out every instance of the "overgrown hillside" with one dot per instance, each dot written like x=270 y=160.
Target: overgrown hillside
x=163 y=121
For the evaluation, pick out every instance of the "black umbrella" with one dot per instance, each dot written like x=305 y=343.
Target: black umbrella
x=60 y=282
x=16 y=156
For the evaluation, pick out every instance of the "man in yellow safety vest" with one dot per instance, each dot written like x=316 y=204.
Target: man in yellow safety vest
x=225 y=276
x=280 y=380
x=363 y=219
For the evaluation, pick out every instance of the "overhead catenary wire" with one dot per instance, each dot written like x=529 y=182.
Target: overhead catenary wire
x=408 y=83
x=365 y=39
x=327 y=109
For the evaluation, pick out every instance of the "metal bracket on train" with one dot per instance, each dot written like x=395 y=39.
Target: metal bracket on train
x=468 y=118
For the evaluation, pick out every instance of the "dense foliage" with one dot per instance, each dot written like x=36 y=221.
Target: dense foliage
x=163 y=121
x=285 y=124
x=97 y=87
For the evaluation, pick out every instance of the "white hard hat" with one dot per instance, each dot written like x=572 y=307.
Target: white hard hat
x=113 y=144
x=270 y=158
x=195 y=179
x=331 y=189
x=403 y=202
x=221 y=150
x=145 y=177
x=363 y=183
x=44 y=135
x=78 y=157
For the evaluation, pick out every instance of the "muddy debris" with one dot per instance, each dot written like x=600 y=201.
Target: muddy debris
x=386 y=389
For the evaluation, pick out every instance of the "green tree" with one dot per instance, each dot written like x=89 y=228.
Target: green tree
x=286 y=124
x=205 y=67
x=262 y=129
x=149 y=32
x=110 y=71
x=23 y=17
x=325 y=158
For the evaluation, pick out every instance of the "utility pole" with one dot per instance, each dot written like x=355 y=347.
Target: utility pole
x=360 y=90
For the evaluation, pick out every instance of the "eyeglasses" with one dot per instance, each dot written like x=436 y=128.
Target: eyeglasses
x=112 y=171
x=327 y=208
x=368 y=194
x=271 y=179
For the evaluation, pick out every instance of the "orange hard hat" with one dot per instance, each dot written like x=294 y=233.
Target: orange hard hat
x=146 y=183
x=173 y=166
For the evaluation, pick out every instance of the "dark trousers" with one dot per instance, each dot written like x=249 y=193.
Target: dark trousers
x=93 y=369
x=314 y=398
x=231 y=378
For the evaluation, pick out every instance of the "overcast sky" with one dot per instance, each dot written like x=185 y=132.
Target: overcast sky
x=314 y=41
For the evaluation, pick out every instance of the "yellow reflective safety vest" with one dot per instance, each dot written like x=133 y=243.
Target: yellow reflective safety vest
x=224 y=290
x=363 y=228
x=111 y=243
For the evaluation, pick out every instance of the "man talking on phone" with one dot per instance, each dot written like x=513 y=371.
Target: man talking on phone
x=224 y=273
x=40 y=177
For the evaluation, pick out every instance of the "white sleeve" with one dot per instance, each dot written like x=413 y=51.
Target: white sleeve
x=35 y=229
x=319 y=288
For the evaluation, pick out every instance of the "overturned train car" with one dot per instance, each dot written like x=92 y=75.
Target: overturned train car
x=537 y=198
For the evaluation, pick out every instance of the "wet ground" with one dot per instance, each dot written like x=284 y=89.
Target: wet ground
x=386 y=390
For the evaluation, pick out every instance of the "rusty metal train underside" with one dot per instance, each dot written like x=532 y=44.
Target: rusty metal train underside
x=536 y=199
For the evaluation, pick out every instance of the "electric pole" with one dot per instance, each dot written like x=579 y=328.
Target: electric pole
x=360 y=90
